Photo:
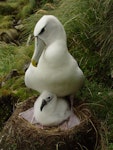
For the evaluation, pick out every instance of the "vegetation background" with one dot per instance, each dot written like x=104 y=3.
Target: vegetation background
x=89 y=28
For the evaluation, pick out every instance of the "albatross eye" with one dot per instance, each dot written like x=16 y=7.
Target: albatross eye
x=49 y=98
x=43 y=29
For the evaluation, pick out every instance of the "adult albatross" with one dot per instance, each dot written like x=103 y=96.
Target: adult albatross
x=52 y=67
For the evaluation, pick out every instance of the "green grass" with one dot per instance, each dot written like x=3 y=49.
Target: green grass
x=5 y=22
x=7 y=58
x=13 y=57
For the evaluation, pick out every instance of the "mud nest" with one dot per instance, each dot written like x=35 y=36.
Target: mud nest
x=19 y=134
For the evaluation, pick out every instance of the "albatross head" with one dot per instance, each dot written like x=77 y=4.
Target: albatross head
x=47 y=30
x=47 y=97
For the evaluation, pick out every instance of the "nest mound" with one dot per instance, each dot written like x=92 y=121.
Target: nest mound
x=19 y=134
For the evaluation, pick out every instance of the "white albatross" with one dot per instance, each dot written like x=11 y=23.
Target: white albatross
x=52 y=67
x=50 y=110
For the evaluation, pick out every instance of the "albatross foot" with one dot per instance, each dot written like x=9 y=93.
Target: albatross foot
x=68 y=124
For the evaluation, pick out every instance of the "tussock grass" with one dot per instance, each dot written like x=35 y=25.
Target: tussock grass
x=6 y=58
x=5 y=22
x=14 y=57
x=6 y=9
x=91 y=26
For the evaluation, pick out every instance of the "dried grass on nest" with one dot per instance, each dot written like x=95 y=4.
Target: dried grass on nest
x=20 y=134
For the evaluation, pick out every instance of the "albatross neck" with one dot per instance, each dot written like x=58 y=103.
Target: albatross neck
x=55 y=52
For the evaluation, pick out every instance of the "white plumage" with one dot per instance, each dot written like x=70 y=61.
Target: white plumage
x=53 y=68
x=50 y=110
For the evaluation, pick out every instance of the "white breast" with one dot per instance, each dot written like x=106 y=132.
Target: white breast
x=64 y=80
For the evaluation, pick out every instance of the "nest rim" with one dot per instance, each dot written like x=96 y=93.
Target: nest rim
x=18 y=123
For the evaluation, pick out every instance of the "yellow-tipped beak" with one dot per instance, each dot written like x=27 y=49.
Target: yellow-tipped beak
x=34 y=63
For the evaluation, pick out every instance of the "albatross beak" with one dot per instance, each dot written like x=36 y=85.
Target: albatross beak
x=44 y=102
x=39 y=46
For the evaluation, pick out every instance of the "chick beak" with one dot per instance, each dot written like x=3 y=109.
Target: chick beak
x=44 y=102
